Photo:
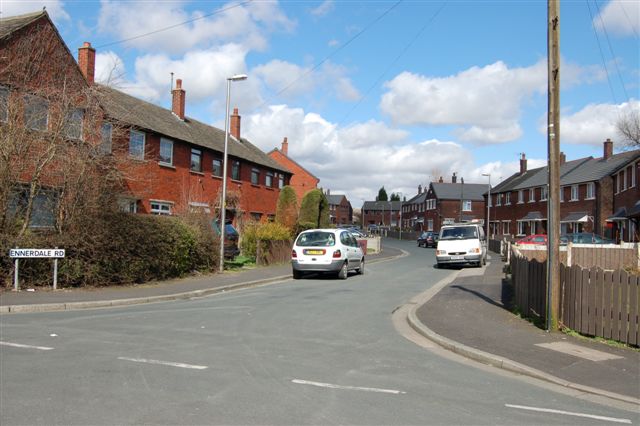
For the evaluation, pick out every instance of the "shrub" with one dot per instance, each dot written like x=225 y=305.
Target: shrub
x=263 y=232
x=287 y=208
x=314 y=211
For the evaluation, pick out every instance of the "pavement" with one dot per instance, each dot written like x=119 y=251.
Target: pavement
x=467 y=314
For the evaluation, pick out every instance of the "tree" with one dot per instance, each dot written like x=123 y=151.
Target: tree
x=394 y=197
x=382 y=195
x=314 y=211
x=287 y=208
x=628 y=127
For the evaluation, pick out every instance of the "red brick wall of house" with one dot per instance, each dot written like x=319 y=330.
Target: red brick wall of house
x=342 y=212
x=148 y=180
x=301 y=181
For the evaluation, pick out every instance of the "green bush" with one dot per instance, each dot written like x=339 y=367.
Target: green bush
x=121 y=248
x=287 y=208
x=314 y=211
x=264 y=232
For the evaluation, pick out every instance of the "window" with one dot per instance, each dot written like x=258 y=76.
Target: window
x=160 y=208
x=128 y=205
x=43 y=213
x=591 y=191
x=498 y=199
x=623 y=178
x=73 y=123
x=466 y=206
x=574 y=193
x=429 y=224
x=520 y=196
x=166 y=151
x=544 y=193
x=268 y=181
x=256 y=216
x=617 y=183
x=235 y=170
x=633 y=173
x=521 y=227
x=505 y=227
x=36 y=113
x=532 y=195
x=255 y=176
x=281 y=181
x=216 y=168
x=507 y=199
x=4 y=104
x=136 y=144
x=562 y=194
x=105 y=133
x=196 y=160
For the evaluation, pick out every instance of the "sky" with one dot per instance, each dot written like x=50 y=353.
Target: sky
x=374 y=93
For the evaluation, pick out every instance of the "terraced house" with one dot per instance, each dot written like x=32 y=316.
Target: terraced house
x=596 y=195
x=170 y=163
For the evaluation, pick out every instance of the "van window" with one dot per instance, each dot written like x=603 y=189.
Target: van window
x=459 y=233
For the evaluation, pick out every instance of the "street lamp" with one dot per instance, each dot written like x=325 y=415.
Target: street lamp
x=488 y=201
x=223 y=204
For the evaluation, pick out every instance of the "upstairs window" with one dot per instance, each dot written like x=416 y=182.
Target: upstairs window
x=574 y=193
x=544 y=193
x=498 y=199
x=532 y=195
x=136 y=144
x=235 y=170
x=520 y=196
x=73 y=123
x=36 y=113
x=466 y=206
x=507 y=198
x=591 y=191
x=255 y=176
x=633 y=175
x=4 y=104
x=105 y=136
x=166 y=151
x=281 y=181
x=196 y=160
x=216 y=167
x=268 y=180
x=562 y=194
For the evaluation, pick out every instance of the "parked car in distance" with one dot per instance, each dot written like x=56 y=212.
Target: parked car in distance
x=334 y=251
x=538 y=239
x=427 y=239
x=585 y=238
x=231 y=236
x=460 y=244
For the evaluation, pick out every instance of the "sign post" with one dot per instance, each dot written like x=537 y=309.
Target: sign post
x=19 y=253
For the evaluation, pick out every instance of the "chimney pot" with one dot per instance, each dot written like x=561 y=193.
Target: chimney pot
x=178 y=96
x=87 y=62
x=608 y=149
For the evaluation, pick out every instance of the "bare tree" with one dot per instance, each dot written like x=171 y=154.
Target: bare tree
x=628 y=127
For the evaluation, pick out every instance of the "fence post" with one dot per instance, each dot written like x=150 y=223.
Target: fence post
x=569 y=246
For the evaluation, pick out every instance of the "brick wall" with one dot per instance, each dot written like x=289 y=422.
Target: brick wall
x=301 y=181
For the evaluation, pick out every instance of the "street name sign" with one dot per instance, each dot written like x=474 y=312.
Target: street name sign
x=36 y=253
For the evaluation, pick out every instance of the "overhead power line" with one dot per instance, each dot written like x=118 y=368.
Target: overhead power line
x=604 y=62
x=159 y=30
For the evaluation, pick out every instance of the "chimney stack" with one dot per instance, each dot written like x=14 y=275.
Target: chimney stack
x=419 y=189
x=523 y=164
x=178 y=98
x=563 y=158
x=285 y=147
x=440 y=180
x=608 y=149
x=454 y=178
x=87 y=61
x=235 y=124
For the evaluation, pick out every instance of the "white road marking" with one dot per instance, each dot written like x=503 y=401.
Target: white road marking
x=578 y=351
x=168 y=363
x=19 y=345
x=331 y=386
x=568 y=413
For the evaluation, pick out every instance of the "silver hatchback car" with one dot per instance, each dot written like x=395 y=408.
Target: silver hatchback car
x=326 y=250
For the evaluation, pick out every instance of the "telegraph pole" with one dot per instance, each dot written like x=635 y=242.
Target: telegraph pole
x=553 y=142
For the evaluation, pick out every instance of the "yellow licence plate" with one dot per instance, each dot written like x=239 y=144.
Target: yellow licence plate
x=314 y=252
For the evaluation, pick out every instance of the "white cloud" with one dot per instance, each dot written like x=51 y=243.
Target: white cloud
x=324 y=9
x=110 y=69
x=55 y=8
x=592 y=124
x=621 y=18
x=357 y=160
x=245 y=24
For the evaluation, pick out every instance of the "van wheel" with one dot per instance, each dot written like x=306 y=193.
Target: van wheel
x=344 y=271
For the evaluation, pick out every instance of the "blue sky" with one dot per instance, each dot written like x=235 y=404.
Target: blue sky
x=373 y=93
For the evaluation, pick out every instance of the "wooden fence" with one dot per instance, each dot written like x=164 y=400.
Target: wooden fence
x=600 y=303
x=271 y=252
x=593 y=301
x=609 y=257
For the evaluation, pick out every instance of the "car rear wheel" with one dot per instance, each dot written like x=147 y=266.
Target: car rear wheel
x=297 y=275
x=344 y=271
x=361 y=268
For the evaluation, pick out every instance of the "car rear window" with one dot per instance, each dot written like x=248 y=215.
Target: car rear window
x=316 y=238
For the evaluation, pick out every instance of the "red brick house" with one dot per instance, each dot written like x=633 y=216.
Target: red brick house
x=381 y=213
x=171 y=162
x=590 y=200
x=302 y=180
x=340 y=210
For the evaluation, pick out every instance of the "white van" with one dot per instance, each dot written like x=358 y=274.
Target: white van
x=461 y=244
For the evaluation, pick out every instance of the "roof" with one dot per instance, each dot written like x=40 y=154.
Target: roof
x=459 y=191
x=575 y=217
x=532 y=216
x=293 y=161
x=619 y=215
x=147 y=116
x=14 y=23
x=418 y=198
x=336 y=199
x=382 y=205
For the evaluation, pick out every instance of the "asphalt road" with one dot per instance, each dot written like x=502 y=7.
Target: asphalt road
x=310 y=351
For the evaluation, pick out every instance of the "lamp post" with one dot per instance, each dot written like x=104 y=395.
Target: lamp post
x=488 y=201
x=223 y=203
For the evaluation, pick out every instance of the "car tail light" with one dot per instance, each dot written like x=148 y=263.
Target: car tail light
x=337 y=254
x=294 y=254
